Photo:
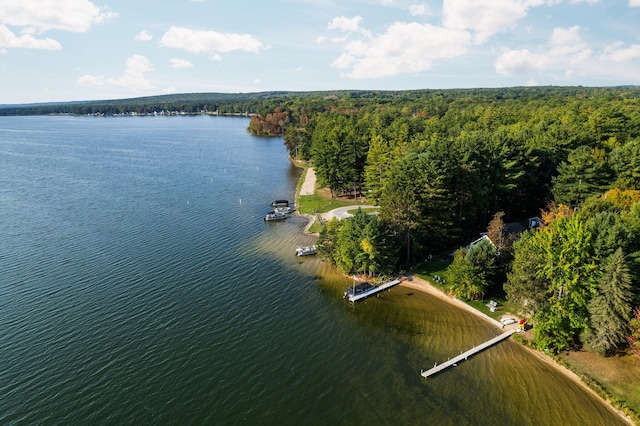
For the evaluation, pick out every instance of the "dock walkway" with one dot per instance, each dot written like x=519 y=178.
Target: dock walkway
x=373 y=290
x=438 y=368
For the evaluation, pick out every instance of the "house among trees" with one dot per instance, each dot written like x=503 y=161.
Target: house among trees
x=535 y=222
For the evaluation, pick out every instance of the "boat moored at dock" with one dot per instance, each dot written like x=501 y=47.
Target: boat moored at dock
x=305 y=250
x=271 y=216
x=280 y=203
x=283 y=210
x=363 y=290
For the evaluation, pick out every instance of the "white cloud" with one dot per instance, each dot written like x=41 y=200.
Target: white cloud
x=404 y=48
x=133 y=77
x=43 y=15
x=484 y=18
x=180 y=63
x=216 y=57
x=634 y=3
x=134 y=74
x=197 y=41
x=25 y=41
x=348 y=25
x=567 y=45
x=345 y=24
x=520 y=61
x=144 y=35
x=565 y=50
x=90 y=80
x=169 y=90
x=616 y=53
x=419 y=10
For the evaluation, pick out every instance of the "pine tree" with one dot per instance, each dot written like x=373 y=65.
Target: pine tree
x=609 y=309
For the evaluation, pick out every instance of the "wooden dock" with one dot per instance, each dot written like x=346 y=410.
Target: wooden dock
x=438 y=368
x=373 y=290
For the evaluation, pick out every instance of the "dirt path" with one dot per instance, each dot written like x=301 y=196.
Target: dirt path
x=309 y=184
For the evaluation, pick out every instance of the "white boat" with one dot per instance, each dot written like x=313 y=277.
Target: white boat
x=306 y=250
x=275 y=216
x=283 y=210
x=280 y=203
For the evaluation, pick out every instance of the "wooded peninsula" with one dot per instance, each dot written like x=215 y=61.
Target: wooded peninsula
x=533 y=192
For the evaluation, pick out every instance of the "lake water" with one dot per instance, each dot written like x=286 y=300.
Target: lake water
x=140 y=285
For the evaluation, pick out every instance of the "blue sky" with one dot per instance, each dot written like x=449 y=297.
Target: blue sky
x=62 y=50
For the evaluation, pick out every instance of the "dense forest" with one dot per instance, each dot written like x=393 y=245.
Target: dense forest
x=549 y=175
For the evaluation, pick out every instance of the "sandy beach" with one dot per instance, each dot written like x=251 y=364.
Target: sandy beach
x=420 y=284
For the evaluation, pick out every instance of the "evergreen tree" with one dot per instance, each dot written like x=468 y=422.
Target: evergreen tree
x=327 y=243
x=610 y=308
x=350 y=237
x=378 y=254
x=378 y=168
x=625 y=161
x=525 y=287
x=585 y=173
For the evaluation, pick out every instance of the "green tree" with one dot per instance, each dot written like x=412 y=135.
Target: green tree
x=569 y=267
x=327 y=243
x=416 y=202
x=332 y=151
x=525 y=287
x=379 y=166
x=625 y=161
x=585 y=173
x=610 y=308
x=379 y=256
x=472 y=270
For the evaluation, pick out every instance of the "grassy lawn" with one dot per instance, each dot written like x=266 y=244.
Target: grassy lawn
x=437 y=266
x=320 y=202
x=616 y=377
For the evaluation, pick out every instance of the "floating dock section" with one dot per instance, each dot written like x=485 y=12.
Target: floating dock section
x=373 y=290
x=438 y=368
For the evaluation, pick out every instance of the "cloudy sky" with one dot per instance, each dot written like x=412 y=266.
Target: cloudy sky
x=61 y=50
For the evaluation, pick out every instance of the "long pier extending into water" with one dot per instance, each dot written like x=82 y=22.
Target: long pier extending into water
x=438 y=368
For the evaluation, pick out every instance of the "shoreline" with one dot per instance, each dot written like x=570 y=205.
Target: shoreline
x=420 y=284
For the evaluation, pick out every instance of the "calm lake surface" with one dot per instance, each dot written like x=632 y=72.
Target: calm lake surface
x=140 y=285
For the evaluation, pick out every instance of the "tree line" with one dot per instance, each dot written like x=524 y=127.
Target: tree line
x=445 y=166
